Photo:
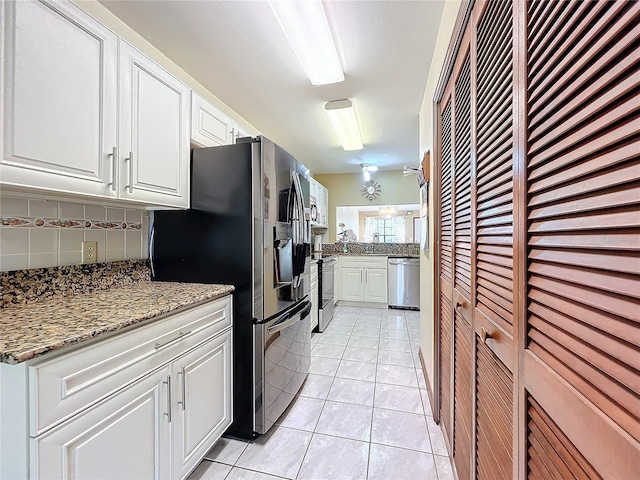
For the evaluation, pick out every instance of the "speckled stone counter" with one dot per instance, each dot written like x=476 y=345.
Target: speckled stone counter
x=29 y=331
x=20 y=287
x=386 y=249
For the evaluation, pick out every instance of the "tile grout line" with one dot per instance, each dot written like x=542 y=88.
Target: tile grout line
x=313 y=434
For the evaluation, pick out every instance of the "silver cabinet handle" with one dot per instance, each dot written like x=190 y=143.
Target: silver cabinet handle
x=129 y=185
x=167 y=382
x=180 y=335
x=183 y=402
x=114 y=159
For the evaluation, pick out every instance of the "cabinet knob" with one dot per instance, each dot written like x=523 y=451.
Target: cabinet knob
x=484 y=335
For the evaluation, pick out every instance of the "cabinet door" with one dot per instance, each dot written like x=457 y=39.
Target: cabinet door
x=209 y=127
x=581 y=366
x=201 y=401
x=352 y=284
x=59 y=100
x=375 y=285
x=126 y=436
x=495 y=245
x=237 y=133
x=154 y=132
x=323 y=207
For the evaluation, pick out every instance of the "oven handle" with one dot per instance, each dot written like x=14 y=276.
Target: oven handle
x=284 y=323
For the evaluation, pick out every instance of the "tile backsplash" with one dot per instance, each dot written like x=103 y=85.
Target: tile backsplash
x=49 y=233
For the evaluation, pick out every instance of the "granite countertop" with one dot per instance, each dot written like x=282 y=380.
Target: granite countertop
x=357 y=254
x=31 y=330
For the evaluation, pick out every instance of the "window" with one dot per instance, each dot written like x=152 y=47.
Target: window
x=384 y=230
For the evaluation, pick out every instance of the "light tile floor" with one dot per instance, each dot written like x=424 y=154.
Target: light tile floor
x=363 y=412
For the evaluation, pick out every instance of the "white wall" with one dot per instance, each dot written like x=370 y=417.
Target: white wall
x=345 y=189
x=427 y=263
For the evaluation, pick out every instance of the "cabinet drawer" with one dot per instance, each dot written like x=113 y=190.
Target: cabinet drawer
x=62 y=386
x=364 y=262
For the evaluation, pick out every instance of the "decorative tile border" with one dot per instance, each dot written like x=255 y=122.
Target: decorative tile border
x=39 y=222
x=20 y=287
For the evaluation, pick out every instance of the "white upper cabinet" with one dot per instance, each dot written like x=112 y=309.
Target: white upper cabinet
x=154 y=132
x=86 y=115
x=59 y=99
x=321 y=195
x=209 y=127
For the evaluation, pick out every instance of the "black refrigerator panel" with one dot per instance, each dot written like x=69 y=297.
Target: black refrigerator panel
x=213 y=243
x=236 y=233
x=221 y=179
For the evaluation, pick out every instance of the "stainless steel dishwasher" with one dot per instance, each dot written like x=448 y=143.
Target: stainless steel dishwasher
x=404 y=283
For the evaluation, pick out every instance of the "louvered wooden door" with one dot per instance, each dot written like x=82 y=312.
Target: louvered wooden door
x=539 y=252
x=494 y=320
x=463 y=344
x=582 y=357
x=446 y=268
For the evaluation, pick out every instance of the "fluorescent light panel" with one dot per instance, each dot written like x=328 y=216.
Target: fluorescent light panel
x=344 y=121
x=306 y=27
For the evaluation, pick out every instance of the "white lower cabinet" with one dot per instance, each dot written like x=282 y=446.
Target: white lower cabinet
x=363 y=279
x=145 y=404
x=126 y=436
x=202 y=407
x=375 y=285
x=352 y=284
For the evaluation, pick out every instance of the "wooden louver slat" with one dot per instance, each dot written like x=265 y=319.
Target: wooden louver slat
x=583 y=222
x=494 y=174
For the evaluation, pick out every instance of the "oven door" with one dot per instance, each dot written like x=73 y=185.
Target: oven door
x=287 y=359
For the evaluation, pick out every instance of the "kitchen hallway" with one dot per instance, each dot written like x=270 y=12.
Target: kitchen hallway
x=363 y=412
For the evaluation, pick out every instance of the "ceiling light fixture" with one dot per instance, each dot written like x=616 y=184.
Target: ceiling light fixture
x=366 y=169
x=345 y=123
x=305 y=26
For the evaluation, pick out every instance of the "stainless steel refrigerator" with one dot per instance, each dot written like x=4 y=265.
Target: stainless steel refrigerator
x=248 y=226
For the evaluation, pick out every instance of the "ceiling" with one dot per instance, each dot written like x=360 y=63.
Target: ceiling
x=237 y=50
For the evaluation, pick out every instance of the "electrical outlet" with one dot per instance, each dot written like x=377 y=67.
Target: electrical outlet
x=89 y=252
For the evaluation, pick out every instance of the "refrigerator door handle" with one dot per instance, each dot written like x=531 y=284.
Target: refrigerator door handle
x=151 y=235
x=289 y=319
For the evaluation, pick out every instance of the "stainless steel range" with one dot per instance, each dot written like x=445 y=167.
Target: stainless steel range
x=326 y=268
